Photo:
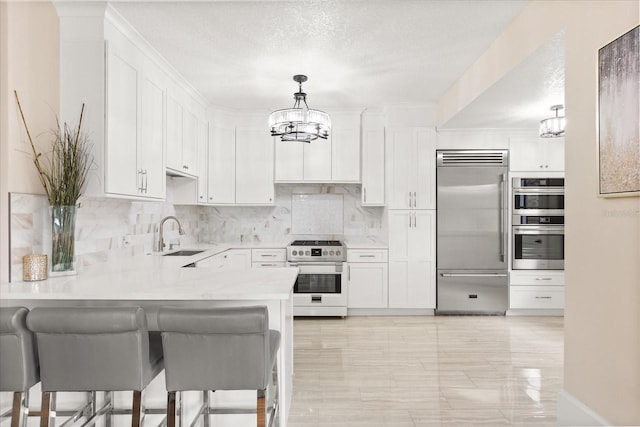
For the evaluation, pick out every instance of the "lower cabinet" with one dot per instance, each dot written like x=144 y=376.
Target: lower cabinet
x=536 y=290
x=367 y=274
x=232 y=259
x=265 y=258
x=412 y=284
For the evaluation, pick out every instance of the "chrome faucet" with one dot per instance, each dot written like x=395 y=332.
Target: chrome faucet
x=161 y=244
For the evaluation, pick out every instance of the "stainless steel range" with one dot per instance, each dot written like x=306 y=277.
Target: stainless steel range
x=321 y=287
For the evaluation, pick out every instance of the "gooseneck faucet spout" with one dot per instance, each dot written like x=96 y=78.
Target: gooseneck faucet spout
x=161 y=244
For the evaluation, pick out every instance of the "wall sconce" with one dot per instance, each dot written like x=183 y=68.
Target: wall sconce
x=553 y=126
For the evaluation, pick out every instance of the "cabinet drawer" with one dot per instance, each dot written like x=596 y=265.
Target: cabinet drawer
x=268 y=255
x=537 y=278
x=268 y=264
x=537 y=297
x=367 y=255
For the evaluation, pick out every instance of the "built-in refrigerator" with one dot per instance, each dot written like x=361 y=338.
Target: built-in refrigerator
x=472 y=205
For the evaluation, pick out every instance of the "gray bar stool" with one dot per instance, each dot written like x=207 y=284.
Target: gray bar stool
x=226 y=348
x=89 y=349
x=18 y=361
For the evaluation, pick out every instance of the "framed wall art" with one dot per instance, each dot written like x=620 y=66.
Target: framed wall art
x=619 y=116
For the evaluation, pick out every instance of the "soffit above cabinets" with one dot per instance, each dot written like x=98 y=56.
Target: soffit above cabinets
x=242 y=54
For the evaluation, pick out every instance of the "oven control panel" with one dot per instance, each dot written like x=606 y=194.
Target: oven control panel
x=316 y=251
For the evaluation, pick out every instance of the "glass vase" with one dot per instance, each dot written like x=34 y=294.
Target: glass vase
x=63 y=230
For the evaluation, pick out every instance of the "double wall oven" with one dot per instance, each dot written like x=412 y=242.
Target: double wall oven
x=538 y=224
x=321 y=287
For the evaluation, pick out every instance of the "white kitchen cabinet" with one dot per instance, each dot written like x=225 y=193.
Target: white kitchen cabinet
x=373 y=159
x=412 y=259
x=536 y=289
x=412 y=169
x=534 y=154
x=232 y=259
x=336 y=159
x=367 y=273
x=345 y=147
x=221 y=182
x=254 y=167
x=202 y=138
x=181 y=132
x=134 y=149
x=267 y=258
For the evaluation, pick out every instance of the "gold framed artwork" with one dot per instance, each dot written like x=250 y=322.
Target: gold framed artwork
x=619 y=116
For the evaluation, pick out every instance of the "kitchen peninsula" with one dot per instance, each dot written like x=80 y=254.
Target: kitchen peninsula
x=153 y=281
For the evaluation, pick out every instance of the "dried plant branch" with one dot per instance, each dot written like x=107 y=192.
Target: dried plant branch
x=67 y=165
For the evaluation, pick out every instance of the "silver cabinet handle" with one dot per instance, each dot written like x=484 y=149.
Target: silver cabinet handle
x=146 y=180
x=544 y=297
x=268 y=265
x=364 y=193
x=268 y=255
x=366 y=256
x=415 y=222
x=141 y=186
x=409 y=219
x=544 y=278
x=349 y=273
x=415 y=199
x=410 y=201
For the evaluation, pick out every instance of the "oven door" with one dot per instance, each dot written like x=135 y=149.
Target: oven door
x=538 y=247
x=320 y=289
x=538 y=202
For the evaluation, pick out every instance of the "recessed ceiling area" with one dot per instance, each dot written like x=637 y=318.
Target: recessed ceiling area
x=243 y=54
x=524 y=96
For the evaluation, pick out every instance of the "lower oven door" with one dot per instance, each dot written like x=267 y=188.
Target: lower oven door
x=320 y=290
x=538 y=247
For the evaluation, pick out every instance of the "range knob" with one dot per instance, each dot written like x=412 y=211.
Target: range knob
x=338 y=253
x=307 y=253
x=331 y=253
x=324 y=252
x=294 y=253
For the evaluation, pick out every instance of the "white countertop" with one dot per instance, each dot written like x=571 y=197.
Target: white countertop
x=157 y=277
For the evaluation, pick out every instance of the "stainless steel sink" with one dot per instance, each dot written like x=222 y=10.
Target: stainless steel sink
x=184 y=253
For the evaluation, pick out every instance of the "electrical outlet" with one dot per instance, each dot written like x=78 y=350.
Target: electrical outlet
x=126 y=240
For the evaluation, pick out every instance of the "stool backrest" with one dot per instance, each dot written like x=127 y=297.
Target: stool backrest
x=92 y=348
x=18 y=352
x=222 y=348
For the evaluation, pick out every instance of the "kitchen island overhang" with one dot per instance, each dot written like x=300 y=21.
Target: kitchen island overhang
x=152 y=282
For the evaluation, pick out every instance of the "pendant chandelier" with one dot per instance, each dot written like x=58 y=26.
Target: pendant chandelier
x=299 y=123
x=554 y=126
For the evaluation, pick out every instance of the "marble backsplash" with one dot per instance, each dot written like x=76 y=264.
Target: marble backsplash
x=103 y=224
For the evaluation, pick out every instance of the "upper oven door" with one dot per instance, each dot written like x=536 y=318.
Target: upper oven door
x=538 y=247
x=538 y=202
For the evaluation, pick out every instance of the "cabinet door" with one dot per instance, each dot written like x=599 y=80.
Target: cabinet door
x=400 y=156
x=554 y=154
x=367 y=285
x=202 y=138
x=122 y=173
x=254 y=167
x=411 y=284
x=289 y=161
x=423 y=169
x=152 y=141
x=534 y=154
x=345 y=147
x=189 y=142
x=421 y=236
x=221 y=185
x=237 y=259
x=399 y=227
x=317 y=160
x=373 y=168
x=174 y=133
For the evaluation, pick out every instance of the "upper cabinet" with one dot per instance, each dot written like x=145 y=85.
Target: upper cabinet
x=373 y=161
x=254 y=167
x=412 y=169
x=535 y=154
x=183 y=114
x=336 y=159
x=134 y=122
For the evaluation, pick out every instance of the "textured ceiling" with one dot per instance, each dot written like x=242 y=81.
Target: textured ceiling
x=243 y=54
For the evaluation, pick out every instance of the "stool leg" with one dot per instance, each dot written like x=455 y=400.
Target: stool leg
x=16 y=409
x=262 y=409
x=108 y=402
x=135 y=414
x=206 y=408
x=45 y=408
x=171 y=409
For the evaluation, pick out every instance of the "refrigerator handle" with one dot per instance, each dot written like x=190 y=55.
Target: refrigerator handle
x=473 y=274
x=503 y=180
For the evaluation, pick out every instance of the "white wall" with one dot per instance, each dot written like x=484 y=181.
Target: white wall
x=28 y=64
x=602 y=302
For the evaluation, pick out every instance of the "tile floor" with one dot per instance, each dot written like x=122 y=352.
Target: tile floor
x=426 y=371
